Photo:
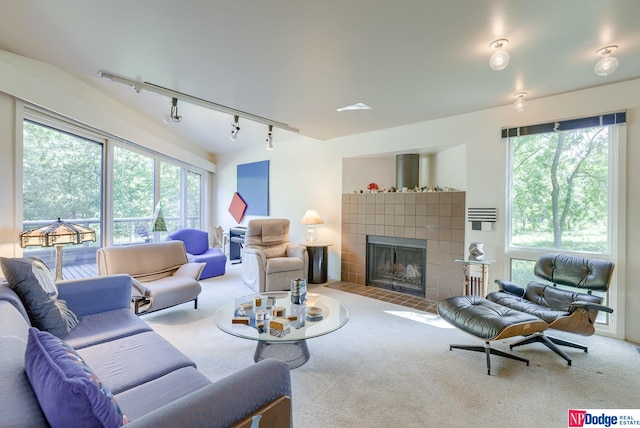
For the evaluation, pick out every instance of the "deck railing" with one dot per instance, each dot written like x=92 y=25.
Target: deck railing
x=79 y=261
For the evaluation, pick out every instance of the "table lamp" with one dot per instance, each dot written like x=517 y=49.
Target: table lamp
x=56 y=235
x=311 y=218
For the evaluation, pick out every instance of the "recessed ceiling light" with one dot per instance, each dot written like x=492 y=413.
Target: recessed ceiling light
x=356 y=106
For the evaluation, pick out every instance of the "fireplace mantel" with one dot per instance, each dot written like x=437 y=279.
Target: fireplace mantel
x=437 y=217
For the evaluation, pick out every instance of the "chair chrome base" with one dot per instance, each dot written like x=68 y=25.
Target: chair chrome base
x=488 y=350
x=550 y=342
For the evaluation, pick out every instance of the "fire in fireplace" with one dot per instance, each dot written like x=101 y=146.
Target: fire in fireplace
x=397 y=264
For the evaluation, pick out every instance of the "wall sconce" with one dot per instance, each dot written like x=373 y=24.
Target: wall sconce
x=174 y=116
x=270 y=138
x=520 y=102
x=235 y=128
x=607 y=64
x=311 y=218
x=500 y=58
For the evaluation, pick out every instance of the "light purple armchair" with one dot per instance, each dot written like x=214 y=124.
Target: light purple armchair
x=196 y=242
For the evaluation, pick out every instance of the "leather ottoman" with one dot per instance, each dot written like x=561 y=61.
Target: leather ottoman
x=488 y=321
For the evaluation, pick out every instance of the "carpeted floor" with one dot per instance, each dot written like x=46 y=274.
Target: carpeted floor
x=390 y=366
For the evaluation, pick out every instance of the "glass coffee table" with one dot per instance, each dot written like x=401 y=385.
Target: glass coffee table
x=304 y=323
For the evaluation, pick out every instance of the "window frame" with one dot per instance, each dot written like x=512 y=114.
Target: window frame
x=614 y=324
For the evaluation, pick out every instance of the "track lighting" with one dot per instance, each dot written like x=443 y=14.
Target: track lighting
x=270 y=138
x=175 y=95
x=500 y=58
x=235 y=128
x=607 y=64
x=520 y=102
x=174 y=116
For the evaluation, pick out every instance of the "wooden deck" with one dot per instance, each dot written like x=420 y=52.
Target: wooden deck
x=79 y=271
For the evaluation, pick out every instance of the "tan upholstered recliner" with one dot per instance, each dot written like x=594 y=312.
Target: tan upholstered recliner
x=269 y=260
x=162 y=275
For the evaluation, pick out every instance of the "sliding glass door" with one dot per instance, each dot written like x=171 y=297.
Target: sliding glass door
x=62 y=178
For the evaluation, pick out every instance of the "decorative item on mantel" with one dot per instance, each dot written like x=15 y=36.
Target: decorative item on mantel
x=476 y=251
x=374 y=188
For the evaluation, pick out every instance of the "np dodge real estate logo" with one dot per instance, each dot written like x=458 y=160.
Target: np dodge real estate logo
x=605 y=418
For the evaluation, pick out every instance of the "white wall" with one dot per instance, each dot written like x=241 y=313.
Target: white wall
x=306 y=173
x=381 y=171
x=448 y=168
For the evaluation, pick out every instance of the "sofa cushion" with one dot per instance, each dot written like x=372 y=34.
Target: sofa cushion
x=19 y=406
x=133 y=360
x=32 y=280
x=167 y=291
x=105 y=326
x=145 y=262
x=284 y=264
x=272 y=251
x=10 y=296
x=68 y=391
x=159 y=392
x=521 y=304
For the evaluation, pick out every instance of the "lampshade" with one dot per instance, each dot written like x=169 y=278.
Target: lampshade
x=59 y=232
x=311 y=217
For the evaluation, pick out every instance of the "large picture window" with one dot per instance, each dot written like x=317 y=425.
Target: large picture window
x=562 y=191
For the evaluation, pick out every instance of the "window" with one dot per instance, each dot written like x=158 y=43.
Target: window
x=143 y=181
x=133 y=184
x=560 y=190
x=194 y=189
x=562 y=194
x=170 y=194
x=62 y=178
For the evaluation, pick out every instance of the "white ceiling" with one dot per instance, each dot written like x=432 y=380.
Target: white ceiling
x=297 y=61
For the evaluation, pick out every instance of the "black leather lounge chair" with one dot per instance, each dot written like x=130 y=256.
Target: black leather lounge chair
x=565 y=303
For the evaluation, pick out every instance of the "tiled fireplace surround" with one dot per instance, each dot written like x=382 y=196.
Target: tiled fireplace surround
x=437 y=217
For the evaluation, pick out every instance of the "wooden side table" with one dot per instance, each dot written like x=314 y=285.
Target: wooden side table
x=476 y=276
x=318 y=258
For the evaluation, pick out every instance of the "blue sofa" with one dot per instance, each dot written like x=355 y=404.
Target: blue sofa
x=196 y=242
x=153 y=383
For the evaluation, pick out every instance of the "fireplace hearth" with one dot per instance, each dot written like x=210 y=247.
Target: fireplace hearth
x=397 y=264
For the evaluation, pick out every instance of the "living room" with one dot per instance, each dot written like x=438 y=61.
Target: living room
x=311 y=173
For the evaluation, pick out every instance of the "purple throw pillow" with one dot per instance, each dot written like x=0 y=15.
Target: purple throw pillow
x=68 y=391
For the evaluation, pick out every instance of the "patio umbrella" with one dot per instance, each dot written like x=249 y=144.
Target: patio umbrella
x=56 y=235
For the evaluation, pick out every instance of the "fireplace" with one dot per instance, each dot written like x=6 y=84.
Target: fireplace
x=397 y=264
x=436 y=218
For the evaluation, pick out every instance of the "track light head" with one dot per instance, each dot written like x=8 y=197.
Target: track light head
x=520 y=101
x=235 y=128
x=270 y=138
x=174 y=116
